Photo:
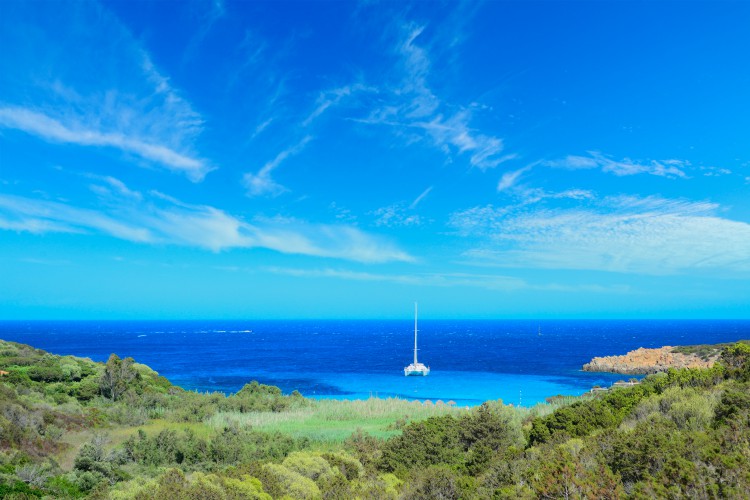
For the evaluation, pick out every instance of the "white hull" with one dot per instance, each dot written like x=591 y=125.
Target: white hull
x=419 y=370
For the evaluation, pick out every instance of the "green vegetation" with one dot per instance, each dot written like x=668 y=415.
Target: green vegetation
x=329 y=422
x=705 y=351
x=72 y=428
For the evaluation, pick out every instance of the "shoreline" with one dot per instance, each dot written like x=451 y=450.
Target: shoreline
x=645 y=361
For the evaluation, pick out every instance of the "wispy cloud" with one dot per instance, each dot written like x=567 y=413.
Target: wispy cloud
x=261 y=127
x=208 y=13
x=510 y=178
x=160 y=219
x=40 y=216
x=111 y=186
x=486 y=281
x=261 y=183
x=342 y=214
x=421 y=197
x=406 y=103
x=532 y=195
x=131 y=106
x=527 y=195
x=330 y=98
x=663 y=168
x=489 y=281
x=621 y=234
x=413 y=105
x=52 y=130
x=396 y=215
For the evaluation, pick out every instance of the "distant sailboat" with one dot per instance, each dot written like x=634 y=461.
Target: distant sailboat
x=416 y=368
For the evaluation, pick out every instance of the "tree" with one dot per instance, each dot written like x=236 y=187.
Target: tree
x=736 y=358
x=117 y=376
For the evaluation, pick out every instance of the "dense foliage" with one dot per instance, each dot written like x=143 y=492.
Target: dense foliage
x=73 y=428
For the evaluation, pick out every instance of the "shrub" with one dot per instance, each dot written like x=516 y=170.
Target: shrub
x=366 y=448
x=430 y=442
x=309 y=465
x=438 y=482
x=245 y=487
x=288 y=482
x=348 y=466
x=87 y=480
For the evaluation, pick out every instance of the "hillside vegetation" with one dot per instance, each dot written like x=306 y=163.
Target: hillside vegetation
x=73 y=428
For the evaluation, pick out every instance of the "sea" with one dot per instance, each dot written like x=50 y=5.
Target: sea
x=522 y=362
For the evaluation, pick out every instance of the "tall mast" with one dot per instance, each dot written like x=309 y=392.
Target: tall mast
x=415 y=333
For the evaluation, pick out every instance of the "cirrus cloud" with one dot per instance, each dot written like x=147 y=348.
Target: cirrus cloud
x=162 y=220
x=619 y=234
x=671 y=168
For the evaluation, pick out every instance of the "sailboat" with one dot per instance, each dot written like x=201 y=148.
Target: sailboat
x=416 y=368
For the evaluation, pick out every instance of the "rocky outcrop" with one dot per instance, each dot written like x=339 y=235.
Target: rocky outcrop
x=643 y=361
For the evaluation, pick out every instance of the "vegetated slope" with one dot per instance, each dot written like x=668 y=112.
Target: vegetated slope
x=684 y=433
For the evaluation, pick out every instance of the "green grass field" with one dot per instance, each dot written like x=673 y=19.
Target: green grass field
x=332 y=421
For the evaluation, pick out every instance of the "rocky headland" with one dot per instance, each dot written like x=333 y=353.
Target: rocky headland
x=644 y=361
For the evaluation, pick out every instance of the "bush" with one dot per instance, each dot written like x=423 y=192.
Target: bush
x=438 y=482
x=85 y=390
x=87 y=480
x=18 y=489
x=366 y=448
x=282 y=481
x=431 y=442
x=308 y=464
x=348 y=466
x=734 y=404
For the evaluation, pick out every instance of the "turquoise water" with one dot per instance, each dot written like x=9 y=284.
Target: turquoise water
x=471 y=361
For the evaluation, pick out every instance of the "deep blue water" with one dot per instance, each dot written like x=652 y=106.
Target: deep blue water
x=471 y=361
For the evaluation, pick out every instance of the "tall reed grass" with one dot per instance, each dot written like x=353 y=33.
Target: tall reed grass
x=335 y=420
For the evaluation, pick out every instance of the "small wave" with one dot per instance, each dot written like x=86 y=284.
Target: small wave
x=139 y=336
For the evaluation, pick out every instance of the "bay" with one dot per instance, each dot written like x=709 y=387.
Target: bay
x=517 y=361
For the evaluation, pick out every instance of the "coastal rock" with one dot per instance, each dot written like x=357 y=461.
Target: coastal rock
x=644 y=361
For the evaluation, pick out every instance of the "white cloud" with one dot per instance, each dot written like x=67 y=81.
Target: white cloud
x=261 y=127
x=342 y=214
x=52 y=130
x=130 y=106
x=663 y=168
x=160 y=219
x=486 y=281
x=510 y=178
x=621 y=234
x=421 y=197
x=108 y=187
x=714 y=171
x=333 y=97
x=489 y=281
x=394 y=216
x=207 y=20
x=413 y=104
x=530 y=196
x=28 y=214
x=408 y=105
x=261 y=183
x=122 y=188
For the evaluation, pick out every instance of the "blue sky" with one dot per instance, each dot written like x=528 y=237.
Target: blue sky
x=220 y=159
